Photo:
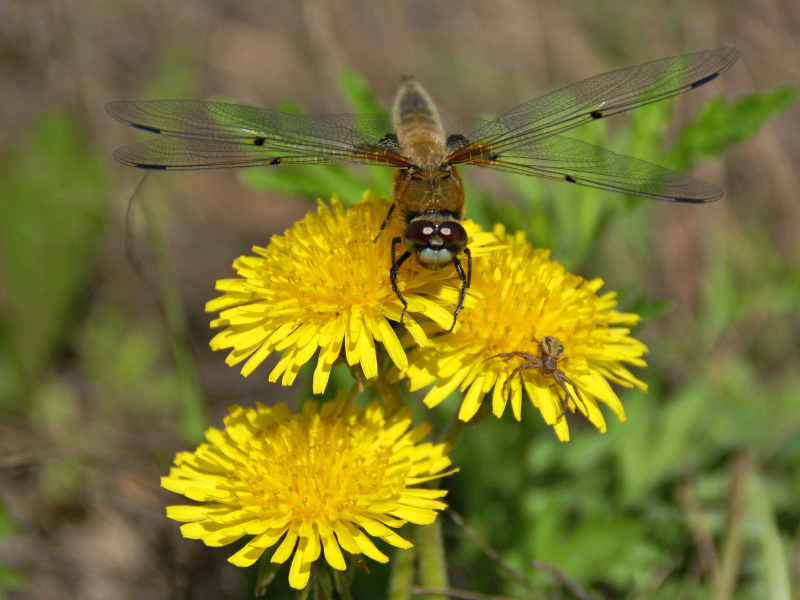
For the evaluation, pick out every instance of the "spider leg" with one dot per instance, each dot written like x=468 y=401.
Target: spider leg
x=563 y=408
x=507 y=355
x=563 y=380
x=567 y=396
x=535 y=363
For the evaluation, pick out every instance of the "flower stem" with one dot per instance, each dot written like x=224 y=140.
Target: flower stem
x=402 y=575
x=432 y=563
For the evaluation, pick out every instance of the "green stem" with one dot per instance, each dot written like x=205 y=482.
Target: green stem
x=402 y=575
x=432 y=563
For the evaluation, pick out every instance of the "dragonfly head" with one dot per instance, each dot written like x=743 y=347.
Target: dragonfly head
x=434 y=241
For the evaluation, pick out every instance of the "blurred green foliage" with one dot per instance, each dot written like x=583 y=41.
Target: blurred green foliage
x=9 y=579
x=52 y=210
x=61 y=343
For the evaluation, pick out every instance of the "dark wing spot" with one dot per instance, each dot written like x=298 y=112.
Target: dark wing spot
x=152 y=167
x=456 y=141
x=705 y=79
x=275 y=161
x=259 y=141
x=597 y=114
x=570 y=178
x=146 y=128
x=389 y=142
x=692 y=200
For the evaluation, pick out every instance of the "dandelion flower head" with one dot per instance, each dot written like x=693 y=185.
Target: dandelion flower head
x=322 y=481
x=324 y=287
x=527 y=297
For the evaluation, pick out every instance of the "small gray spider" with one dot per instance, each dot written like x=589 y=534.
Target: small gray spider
x=550 y=349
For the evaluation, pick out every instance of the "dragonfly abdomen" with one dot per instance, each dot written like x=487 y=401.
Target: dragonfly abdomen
x=419 y=129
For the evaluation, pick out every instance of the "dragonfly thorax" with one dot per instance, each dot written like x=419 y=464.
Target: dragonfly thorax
x=437 y=191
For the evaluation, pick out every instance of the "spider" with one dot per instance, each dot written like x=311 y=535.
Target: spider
x=550 y=350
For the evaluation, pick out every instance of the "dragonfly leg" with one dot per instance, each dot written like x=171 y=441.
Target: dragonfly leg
x=396 y=264
x=464 y=286
x=468 y=252
x=383 y=225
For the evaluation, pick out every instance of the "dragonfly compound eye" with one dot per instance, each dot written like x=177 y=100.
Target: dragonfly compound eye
x=453 y=235
x=418 y=234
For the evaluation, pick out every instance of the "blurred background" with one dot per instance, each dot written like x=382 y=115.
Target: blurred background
x=105 y=370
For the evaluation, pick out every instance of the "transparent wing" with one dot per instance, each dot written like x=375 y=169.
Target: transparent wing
x=565 y=159
x=205 y=135
x=525 y=128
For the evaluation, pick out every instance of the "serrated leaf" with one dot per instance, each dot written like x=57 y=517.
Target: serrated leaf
x=719 y=124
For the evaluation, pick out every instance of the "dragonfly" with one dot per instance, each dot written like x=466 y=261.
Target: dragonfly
x=427 y=190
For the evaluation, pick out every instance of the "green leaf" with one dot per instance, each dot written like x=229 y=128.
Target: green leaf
x=719 y=124
x=309 y=181
x=358 y=95
x=651 y=451
x=764 y=523
x=362 y=100
x=650 y=310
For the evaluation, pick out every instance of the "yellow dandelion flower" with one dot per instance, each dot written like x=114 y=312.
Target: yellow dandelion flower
x=323 y=481
x=562 y=342
x=324 y=285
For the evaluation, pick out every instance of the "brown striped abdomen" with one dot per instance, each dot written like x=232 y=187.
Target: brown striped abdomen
x=419 y=129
